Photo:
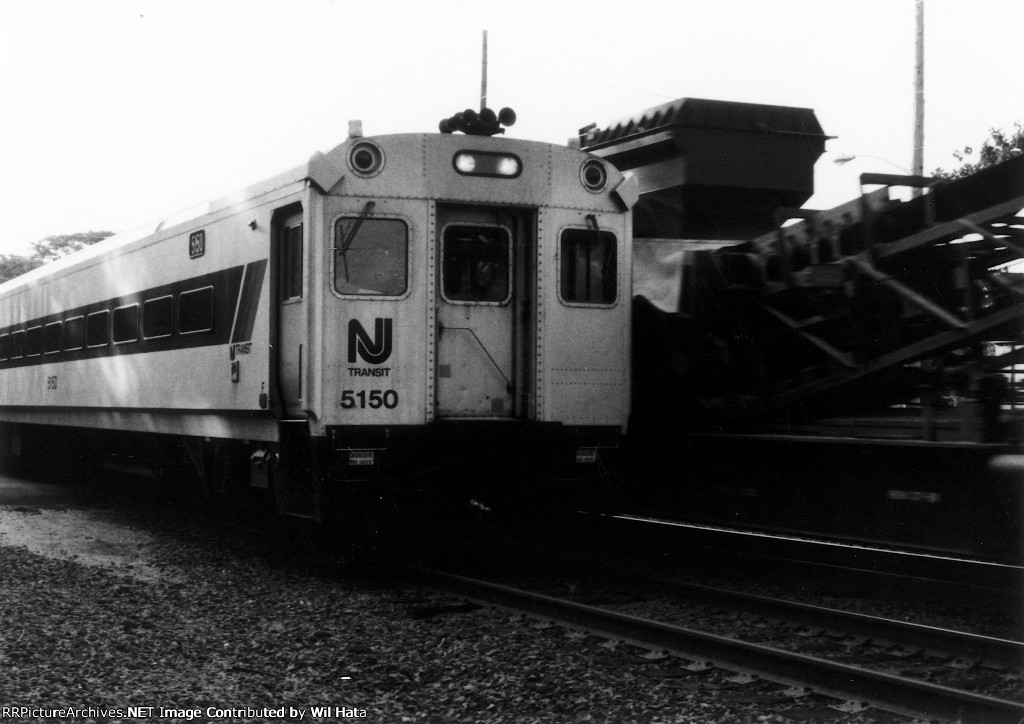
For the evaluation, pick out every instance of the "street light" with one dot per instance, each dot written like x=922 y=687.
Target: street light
x=916 y=184
x=846 y=159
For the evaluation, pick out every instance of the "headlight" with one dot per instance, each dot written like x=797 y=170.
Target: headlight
x=482 y=163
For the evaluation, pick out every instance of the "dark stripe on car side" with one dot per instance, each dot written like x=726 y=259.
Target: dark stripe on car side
x=249 y=301
x=226 y=284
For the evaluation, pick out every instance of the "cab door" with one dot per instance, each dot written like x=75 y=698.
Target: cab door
x=482 y=296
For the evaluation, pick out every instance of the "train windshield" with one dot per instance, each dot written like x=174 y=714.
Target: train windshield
x=371 y=257
x=476 y=261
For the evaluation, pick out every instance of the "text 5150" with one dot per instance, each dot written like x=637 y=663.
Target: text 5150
x=372 y=399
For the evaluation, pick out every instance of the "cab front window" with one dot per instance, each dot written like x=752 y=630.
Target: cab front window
x=371 y=257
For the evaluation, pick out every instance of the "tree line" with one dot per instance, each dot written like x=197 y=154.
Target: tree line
x=46 y=250
x=998 y=147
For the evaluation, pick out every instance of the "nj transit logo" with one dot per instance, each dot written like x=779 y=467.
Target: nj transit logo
x=373 y=350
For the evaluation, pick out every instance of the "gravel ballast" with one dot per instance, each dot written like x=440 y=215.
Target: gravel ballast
x=211 y=625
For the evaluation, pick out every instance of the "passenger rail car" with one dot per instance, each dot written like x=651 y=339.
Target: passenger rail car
x=391 y=308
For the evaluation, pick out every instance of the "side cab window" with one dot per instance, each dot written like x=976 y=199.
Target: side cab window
x=290 y=241
x=589 y=267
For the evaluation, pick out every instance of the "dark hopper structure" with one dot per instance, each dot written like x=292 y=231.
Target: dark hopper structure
x=852 y=369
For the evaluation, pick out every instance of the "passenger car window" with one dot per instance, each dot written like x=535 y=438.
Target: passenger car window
x=371 y=257
x=33 y=341
x=18 y=345
x=97 y=329
x=126 y=324
x=157 y=317
x=51 y=337
x=195 y=311
x=589 y=267
x=74 y=333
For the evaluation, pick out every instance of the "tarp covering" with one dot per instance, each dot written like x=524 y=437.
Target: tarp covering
x=658 y=268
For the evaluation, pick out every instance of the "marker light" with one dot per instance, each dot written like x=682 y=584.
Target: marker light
x=481 y=163
x=593 y=176
x=366 y=158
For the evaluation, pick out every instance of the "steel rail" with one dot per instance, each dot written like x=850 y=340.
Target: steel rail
x=960 y=644
x=931 y=639
x=849 y=683
x=871 y=558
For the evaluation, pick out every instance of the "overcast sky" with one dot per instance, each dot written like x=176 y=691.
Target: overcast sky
x=117 y=113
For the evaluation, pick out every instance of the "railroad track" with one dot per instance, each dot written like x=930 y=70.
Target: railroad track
x=853 y=687
x=958 y=648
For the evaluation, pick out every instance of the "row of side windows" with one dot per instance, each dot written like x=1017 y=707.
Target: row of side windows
x=120 y=326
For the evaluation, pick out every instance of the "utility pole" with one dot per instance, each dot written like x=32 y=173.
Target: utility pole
x=918 y=166
x=483 y=76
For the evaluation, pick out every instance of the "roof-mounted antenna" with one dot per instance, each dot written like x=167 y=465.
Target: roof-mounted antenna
x=483 y=76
